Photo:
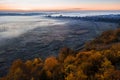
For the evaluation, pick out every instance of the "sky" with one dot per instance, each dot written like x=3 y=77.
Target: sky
x=59 y=5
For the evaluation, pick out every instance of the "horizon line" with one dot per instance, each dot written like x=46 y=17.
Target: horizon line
x=74 y=9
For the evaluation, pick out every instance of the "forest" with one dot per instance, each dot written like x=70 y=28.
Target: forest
x=99 y=60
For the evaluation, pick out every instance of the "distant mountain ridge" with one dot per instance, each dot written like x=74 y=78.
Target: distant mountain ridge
x=19 y=14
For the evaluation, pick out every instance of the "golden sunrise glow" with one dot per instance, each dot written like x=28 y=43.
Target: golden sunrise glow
x=30 y=5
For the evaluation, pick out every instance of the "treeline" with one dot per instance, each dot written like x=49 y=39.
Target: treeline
x=89 y=64
x=104 y=41
x=100 y=18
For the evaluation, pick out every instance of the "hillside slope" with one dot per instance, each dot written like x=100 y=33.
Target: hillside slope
x=100 y=60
